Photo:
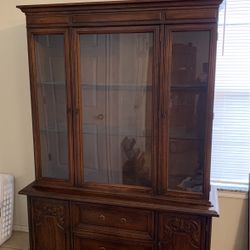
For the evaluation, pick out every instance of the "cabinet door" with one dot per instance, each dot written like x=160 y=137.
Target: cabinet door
x=49 y=62
x=188 y=101
x=50 y=224
x=181 y=232
x=117 y=91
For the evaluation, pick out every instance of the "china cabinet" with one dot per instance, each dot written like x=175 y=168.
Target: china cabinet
x=122 y=109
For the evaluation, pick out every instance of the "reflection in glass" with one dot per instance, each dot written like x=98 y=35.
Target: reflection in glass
x=189 y=79
x=51 y=92
x=186 y=165
x=190 y=54
x=187 y=114
x=116 y=83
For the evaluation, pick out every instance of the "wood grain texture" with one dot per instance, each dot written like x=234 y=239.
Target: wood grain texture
x=74 y=215
x=113 y=220
x=34 y=86
x=181 y=232
x=116 y=5
x=100 y=244
x=50 y=224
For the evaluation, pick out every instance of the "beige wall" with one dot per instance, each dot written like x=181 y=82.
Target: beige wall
x=16 y=148
x=230 y=230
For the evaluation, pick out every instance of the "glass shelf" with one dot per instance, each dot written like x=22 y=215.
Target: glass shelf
x=117 y=87
x=189 y=86
x=53 y=83
x=115 y=131
x=52 y=130
x=187 y=137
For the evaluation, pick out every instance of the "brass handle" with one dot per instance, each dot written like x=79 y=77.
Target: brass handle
x=102 y=217
x=123 y=220
x=100 y=117
x=102 y=248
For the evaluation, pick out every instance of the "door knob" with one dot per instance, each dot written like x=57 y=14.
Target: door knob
x=100 y=117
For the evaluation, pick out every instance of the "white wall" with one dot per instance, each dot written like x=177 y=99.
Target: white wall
x=16 y=148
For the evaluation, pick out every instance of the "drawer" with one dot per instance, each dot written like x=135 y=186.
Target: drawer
x=113 y=220
x=91 y=244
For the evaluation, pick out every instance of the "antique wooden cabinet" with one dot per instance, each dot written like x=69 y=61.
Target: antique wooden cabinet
x=122 y=107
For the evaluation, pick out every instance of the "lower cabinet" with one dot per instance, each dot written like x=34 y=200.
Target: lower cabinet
x=49 y=224
x=69 y=225
x=183 y=232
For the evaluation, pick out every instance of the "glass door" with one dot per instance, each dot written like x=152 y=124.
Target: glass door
x=189 y=96
x=51 y=97
x=116 y=89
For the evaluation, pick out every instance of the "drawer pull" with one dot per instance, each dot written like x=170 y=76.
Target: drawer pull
x=102 y=217
x=102 y=248
x=123 y=220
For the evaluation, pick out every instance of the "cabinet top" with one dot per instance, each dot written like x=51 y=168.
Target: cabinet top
x=106 y=5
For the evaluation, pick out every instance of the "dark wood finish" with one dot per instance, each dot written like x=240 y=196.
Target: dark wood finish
x=54 y=20
x=72 y=214
x=34 y=99
x=181 y=231
x=209 y=110
x=123 y=17
x=50 y=224
x=93 y=244
x=134 y=223
x=188 y=13
x=155 y=105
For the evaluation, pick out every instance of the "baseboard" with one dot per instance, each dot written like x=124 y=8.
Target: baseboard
x=20 y=228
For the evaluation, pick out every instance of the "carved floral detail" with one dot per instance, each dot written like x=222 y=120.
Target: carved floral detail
x=42 y=210
x=191 y=227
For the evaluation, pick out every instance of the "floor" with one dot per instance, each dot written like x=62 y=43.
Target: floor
x=18 y=241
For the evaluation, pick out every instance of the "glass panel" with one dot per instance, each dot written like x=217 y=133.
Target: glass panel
x=187 y=114
x=51 y=91
x=189 y=78
x=185 y=165
x=190 y=54
x=116 y=83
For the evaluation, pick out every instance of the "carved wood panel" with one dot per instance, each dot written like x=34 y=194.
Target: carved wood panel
x=50 y=224
x=181 y=232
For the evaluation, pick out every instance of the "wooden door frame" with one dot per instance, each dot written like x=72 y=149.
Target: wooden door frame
x=166 y=81
x=78 y=117
x=35 y=113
